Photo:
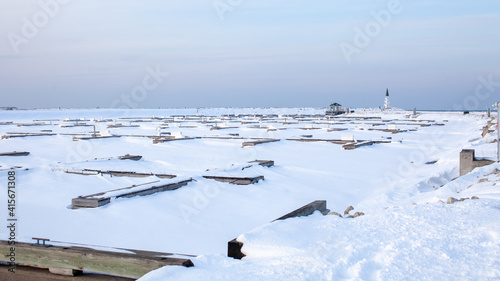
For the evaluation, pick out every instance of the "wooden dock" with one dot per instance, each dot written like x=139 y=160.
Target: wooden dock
x=31 y=124
x=167 y=139
x=222 y=128
x=83 y=172
x=73 y=260
x=346 y=144
x=335 y=141
x=336 y=129
x=236 y=180
x=132 y=174
x=390 y=130
x=354 y=145
x=15 y=153
x=122 y=126
x=264 y=163
x=136 y=174
x=93 y=137
x=104 y=198
x=256 y=142
x=23 y=135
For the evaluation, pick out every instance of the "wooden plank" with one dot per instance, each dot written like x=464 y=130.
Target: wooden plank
x=26 y=273
x=354 y=145
x=306 y=210
x=155 y=189
x=83 y=202
x=94 y=138
x=32 y=124
x=162 y=140
x=236 y=180
x=100 y=199
x=15 y=153
x=136 y=174
x=256 y=142
x=394 y=131
x=130 y=157
x=264 y=163
x=222 y=128
x=83 y=172
x=127 y=174
x=122 y=126
x=188 y=126
x=22 y=135
x=336 y=141
x=87 y=259
x=91 y=172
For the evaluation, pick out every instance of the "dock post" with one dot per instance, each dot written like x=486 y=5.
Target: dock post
x=466 y=161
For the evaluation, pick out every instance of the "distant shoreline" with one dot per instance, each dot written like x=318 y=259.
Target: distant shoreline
x=176 y=108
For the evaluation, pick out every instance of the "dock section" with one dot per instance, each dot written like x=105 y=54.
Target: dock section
x=104 y=198
x=256 y=142
x=15 y=153
x=69 y=260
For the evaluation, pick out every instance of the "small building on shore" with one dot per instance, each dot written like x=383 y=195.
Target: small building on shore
x=335 y=109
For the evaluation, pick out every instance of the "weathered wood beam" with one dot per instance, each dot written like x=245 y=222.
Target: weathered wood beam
x=27 y=135
x=100 y=199
x=264 y=163
x=93 y=138
x=254 y=143
x=236 y=180
x=306 y=210
x=87 y=259
x=130 y=157
x=162 y=140
x=15 y=153
x=354 y=145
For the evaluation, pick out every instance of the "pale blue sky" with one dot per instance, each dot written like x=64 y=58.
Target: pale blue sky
x=261 y=53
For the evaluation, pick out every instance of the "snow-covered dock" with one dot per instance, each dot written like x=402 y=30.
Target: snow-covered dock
x=236 y=180
x=15 y=153
x=104 y=198
x=256 y=142
x=66 y=259
x=383 y=181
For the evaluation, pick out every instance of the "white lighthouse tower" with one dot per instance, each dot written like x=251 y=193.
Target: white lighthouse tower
x=387 y=105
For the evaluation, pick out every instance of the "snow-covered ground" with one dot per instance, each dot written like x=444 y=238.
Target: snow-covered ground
x=406 y=232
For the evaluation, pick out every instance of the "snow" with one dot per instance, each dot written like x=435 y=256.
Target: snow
x=394 y=240
x=428 y=241
x=423 y=242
